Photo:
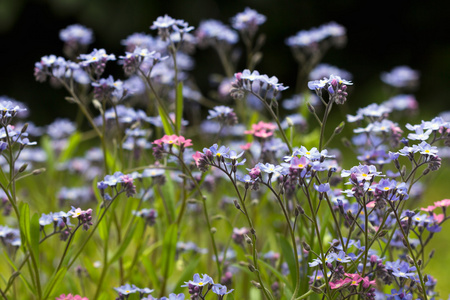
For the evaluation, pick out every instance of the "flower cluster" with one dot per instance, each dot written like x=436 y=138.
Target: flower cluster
x=262 y=130
x=310 y=38
x=253 y=82
x=112 y=181
x=401 y=77
x=224 y=114
x=248 y=21
x=166 y=143
x=214 y=32
x=71 y=297
x=127 y=289
x=335 y=86
x=200 y=286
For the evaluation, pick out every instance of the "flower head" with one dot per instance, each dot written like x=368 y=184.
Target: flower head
x=248 y=20
x=199 y=281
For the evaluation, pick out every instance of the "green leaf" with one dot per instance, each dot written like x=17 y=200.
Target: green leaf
x=179 y=106
x=24 y=223
x=288 y=255
x=46 y=144
x=281 y=277
x=165 y=121
x=187 y=274
x=54 y=281
x=169 y=249
x=125 y=243
x=35 y=230
x=71 y=147
x=27 y=283
x=151 y=272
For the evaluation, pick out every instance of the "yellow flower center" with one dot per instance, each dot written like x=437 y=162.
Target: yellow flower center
x=200 y=283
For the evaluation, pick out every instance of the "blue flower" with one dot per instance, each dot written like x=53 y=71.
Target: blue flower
x=322 y=188
x=112 y=180
x=341 y=257
x=220 y=290
x=211 y=32
x=218 y=152
x=126 y=289
x=401 y=76
x=77 y=34
x=173 y=297
x=199 y=281
x=248 y=20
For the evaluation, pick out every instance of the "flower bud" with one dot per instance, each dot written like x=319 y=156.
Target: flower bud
x=24 y=128
x=38 y=171
x=251 y=268
x=315 y=289
x=306 y=246
x=256 y=284
x=339 y=128
x=23 y=168
x=248 y=240
x=236 y=204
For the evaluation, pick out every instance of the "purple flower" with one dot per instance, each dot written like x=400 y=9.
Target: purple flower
x=126 y=289
x=248 y=20
x=167 y=25
x=404 y=271
x=310 y=38
x=199 y=281
x=386 y=185
x=212 y=32
x=173 y=297
x=402 y=102
x=113 y=180
x=106 y=88
x=224 y=114
x=322 y=188
x=323 y=70
x=149 y=215
x=341 y=257
x=77 y=34
x=220 y=290
x=218 y=152
x=95 y=57
x=61 y=129
x=335 y=85
x=401 y=77
x=95 y=61
x=361 y=172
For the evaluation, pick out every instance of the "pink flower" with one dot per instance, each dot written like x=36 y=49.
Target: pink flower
x=197 y=156
x=438 y=218
x=158 y=142
x=127 y=179
x=356 y=278
x=367 y=283
x=442 y=203
x=246 y=146
x=340 y=283
x=71 y=297
x=262 y=130
x=430 y=208
x=170 y=139
x=183 y=142
x=263 y=134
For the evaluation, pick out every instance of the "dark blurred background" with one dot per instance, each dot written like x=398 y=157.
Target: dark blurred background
x=380 y=37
